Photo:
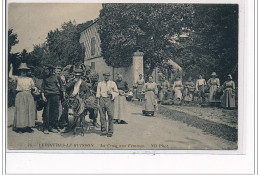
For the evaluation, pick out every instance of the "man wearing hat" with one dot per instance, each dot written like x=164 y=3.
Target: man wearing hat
x=80 y=89
x=78 y=86
x=92 y=78
x=106 y=92
x=52 y=89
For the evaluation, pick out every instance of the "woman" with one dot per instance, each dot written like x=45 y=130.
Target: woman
x=229 y=94
x=177 y=88
x=150 y=103
x=189 y=89
x=164 y=87
x=139 y=87
x=24 y=115
x=213 y=84
x=120 y=105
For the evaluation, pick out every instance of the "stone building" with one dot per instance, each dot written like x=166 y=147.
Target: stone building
x=90 y=39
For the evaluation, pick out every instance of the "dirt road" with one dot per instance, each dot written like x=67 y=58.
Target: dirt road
x=140 y=133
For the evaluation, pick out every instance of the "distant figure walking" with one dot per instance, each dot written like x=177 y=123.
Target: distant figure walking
x=24 y=115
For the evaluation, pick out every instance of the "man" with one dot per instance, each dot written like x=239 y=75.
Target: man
x=200 y=88
x=63 y=111
x=106 y=92
x=92 y=82
x=52 y=88
x=58 y=71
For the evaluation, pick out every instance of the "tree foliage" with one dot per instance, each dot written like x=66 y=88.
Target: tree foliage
x=12 y=39
x=124 y=27
x=213 y=41
x=200 y=38
x=61 y=47
x=64 y=45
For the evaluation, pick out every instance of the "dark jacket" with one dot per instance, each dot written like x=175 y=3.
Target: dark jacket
x=122 y=85
x=52 y=85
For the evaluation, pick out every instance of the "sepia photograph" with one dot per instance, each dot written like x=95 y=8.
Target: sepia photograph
x=122 y=76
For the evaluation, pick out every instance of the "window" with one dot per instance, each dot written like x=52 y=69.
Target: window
x=93 y=43
x=92 y=66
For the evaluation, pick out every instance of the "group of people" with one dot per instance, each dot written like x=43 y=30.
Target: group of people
x=106 y=97
x=202 y=91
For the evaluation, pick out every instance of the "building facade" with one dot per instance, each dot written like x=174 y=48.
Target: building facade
x=90 y=40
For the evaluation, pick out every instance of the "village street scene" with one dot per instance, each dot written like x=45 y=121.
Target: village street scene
x=122 y=76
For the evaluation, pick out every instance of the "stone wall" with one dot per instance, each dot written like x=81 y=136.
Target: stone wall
x=130 y=73
x=100 y=66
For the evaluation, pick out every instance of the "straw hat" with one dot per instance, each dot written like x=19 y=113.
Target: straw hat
x=23 y=66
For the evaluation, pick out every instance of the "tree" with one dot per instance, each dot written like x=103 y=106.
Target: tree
x=124 y=27
x=40 y=55
x=12 y=39
x=12 y=57
x=64 y=45
x=216 y=38
x=200 y=38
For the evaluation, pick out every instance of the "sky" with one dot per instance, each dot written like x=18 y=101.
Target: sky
x=33 y=21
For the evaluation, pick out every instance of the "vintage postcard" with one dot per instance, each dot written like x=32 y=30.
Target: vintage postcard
x=123 y=76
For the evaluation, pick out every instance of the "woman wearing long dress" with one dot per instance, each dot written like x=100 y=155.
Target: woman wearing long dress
x=177 y=88
x=139 y=87
x=229 y=94
x=120 y=104
x=164 y=88
x=150 y=106
x=214 y=84
x=189 y=88
x=24 y=115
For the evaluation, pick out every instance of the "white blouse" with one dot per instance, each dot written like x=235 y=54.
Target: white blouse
x=24 y=83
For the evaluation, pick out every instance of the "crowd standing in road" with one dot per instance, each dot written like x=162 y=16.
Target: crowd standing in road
x=77 y=92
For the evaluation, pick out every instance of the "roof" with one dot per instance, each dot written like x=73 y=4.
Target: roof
x=95 y=21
